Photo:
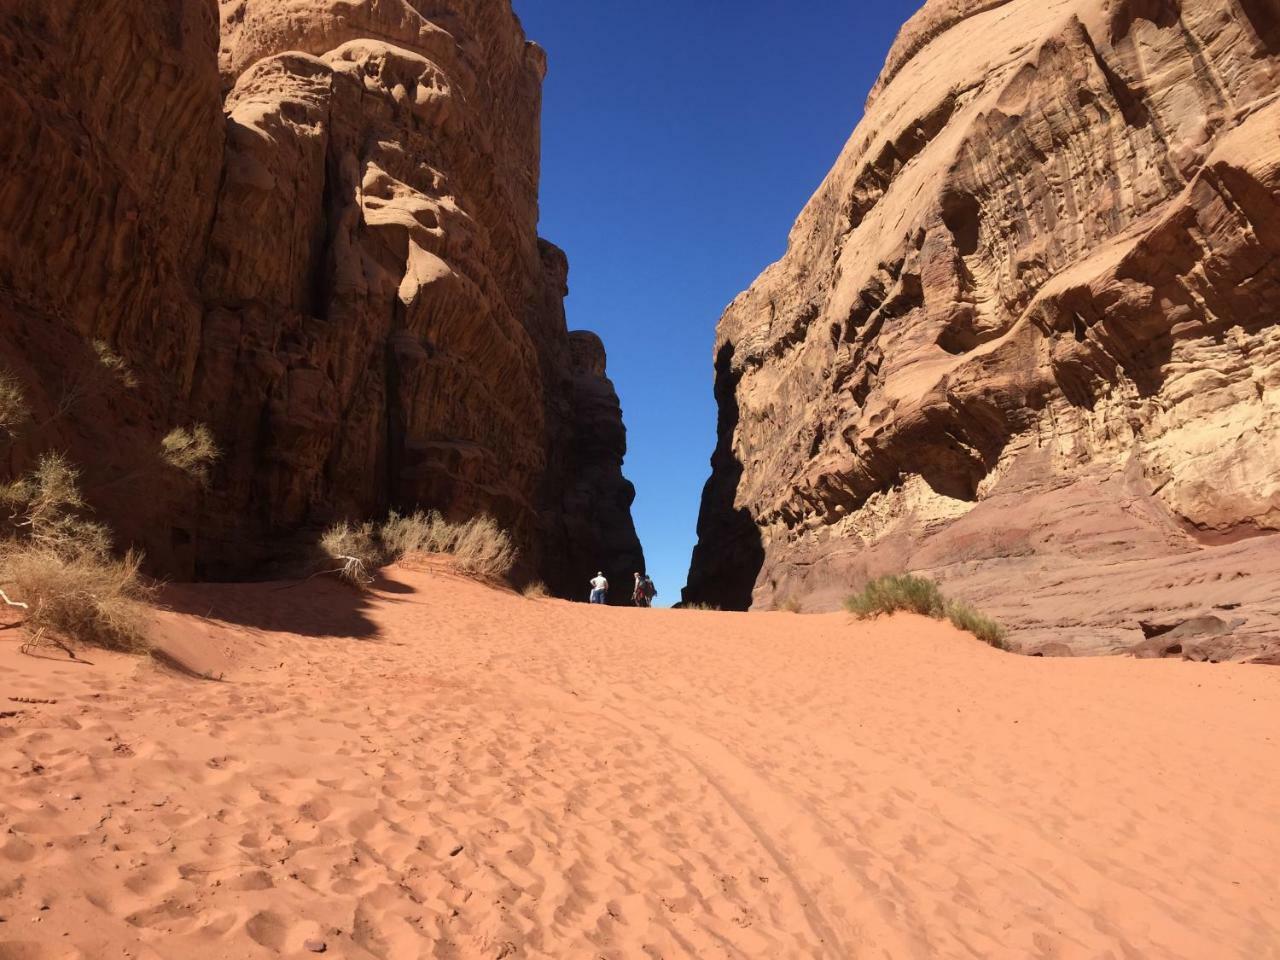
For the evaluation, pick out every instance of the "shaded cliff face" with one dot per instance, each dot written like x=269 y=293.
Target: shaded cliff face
x=1025 y=335
x=310 y=226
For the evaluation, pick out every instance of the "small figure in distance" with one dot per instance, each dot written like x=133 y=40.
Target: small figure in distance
x=650 y=591
x=638 y=596
x=599 y=588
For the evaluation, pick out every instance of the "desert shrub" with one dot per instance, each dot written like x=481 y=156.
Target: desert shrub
x=83 y=599
x=47 y=511
x=114 y=364
x=698 y=606
x=13 y=405
x=418 y=532
x=192 y=451
x=57 y=566
x=478 y=545
x=989 y=631
x=793 y=606
x=904 y=592
x=898 y=592
x=355 y=550
x=484 y=548
x=537 y=590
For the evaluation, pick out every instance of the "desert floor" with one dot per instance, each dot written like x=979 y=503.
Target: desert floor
x=442 y=769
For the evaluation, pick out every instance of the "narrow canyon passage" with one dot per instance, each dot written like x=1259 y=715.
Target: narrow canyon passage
x=482 y=775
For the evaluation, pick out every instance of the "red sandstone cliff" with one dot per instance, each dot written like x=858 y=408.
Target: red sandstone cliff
x=312 y=227
x=1025 y=334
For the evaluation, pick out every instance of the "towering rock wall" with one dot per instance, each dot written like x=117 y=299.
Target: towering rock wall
x=1025 y=336
x=310 y=225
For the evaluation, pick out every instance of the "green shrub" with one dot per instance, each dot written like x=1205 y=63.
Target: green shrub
x=905 y=592
x=989 y=631
x=894 y=593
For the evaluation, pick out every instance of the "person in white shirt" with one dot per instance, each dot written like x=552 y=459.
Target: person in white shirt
x=599 y=588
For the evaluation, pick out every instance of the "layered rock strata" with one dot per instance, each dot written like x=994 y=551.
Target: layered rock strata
x=310 y=225
x=1025 y=336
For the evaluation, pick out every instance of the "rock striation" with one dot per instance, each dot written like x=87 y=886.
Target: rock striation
x=1026 y=334
x=310 y=225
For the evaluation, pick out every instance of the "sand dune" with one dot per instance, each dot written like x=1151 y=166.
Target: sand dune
x=445 y=770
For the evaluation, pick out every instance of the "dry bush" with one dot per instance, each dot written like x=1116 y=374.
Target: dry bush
x=921 y=595
x=48 y=511
x=793 y=606
x=58 y=567
x=114 y=364
x=479 y=545
x=483 y=548
x=706 y=607
x=899 y=592
x=192 y=451
x=536 y=591
x=81 y=599
x=13 y=405
x=355 y=550
x=418 y=532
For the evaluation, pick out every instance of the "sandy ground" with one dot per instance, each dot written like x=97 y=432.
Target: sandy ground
x=445 y=770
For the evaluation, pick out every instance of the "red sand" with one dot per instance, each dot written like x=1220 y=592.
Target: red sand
x=445 y=770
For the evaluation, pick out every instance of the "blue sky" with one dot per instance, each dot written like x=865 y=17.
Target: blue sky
x=680 y=140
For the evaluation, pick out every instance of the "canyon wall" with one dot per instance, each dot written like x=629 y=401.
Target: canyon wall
x=309 y=226
x=1026 y=336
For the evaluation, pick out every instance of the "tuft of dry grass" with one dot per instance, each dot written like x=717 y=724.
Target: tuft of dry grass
x=706 y=607
x=479 y=545
x=537 y=590
x=80 y=599
x=922 y=595
x=57 y=566
x=114 y=364
x=13 y=404
x=355 y=550
x=192 y=451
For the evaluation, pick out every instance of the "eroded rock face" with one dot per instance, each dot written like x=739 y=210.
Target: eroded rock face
x=310 y=225
x=1025 y=335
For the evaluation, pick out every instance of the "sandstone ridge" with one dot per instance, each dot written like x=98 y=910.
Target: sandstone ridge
x=1024 y=336
x=312 y=227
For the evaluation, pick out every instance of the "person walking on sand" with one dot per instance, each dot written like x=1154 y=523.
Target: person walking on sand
x=638 y=596
x=650 y=591
x=599 y=588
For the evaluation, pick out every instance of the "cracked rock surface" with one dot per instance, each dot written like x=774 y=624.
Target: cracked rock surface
x=1025 y=336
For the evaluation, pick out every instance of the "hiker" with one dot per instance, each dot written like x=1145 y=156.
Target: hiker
x=638 y=595
x=650 y=591
x=599 y=588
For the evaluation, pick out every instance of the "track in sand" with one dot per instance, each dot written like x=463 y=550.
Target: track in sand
x=446 y=770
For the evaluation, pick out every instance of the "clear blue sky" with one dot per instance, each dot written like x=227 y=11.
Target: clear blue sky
x=680 y=140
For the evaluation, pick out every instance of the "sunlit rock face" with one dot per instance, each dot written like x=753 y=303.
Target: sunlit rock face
x=308 y=224
x=1026 y=334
